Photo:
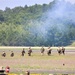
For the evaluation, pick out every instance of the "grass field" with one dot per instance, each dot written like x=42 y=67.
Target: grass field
x=36 y=62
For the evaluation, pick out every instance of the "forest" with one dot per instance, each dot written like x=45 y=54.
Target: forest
x=50 y=24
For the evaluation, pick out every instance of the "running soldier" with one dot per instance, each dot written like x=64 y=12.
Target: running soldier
x=23 y=52
x=4 y=54
x=63 y=50
x=49 y=51
x=12 y=54
x=59 y=50
x=42 y=51
x=29 y=51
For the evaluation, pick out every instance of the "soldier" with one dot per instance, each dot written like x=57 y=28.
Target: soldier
x=29 y=51
x=63 y=50
x=49 y=51
x=23 y=52
x=59 y=50
x=42 y=51
x=12 y=54
x=4 y=54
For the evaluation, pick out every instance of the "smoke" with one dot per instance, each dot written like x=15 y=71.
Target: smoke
x=56 y=18
x=62 y=13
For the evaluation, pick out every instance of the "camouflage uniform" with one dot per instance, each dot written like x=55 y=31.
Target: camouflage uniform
x=42 y=51
x=59 y=50
x=63 y=50
x=29 y=51
x=4 y=54
x=23 y=52
x=49 y=51
x=12 y=54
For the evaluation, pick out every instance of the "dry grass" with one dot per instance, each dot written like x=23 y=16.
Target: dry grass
x=36 y=61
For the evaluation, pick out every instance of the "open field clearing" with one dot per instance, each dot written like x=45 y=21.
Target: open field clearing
x=36 y=63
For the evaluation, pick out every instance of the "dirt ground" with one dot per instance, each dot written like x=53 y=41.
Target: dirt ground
x=37 y=63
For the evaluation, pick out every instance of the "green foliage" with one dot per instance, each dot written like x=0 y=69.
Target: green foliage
x=72 y=44
x=32 y=26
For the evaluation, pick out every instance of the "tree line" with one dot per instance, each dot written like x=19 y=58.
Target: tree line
x=37 y=25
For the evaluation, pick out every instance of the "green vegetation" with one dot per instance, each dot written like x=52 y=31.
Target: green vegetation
x=72 y=45
x=38 y=25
